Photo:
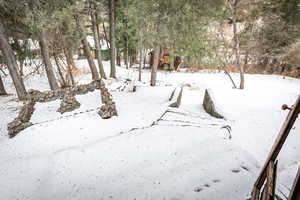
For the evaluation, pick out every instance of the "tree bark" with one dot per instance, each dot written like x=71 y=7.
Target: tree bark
x=97 y=45
x=47 y=62
x=69 y=55
x=172 y=59
x=87 y=52
x=140 y=64
x=63 y=81
x=112 y=38
x=126 y=52
x=2 y=89
x=70 y=62
x=154 y=66
x=105 y=36
x=236 y=45
x=118 y=56
x=11 y=64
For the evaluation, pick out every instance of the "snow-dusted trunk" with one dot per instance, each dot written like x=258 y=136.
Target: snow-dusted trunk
x=47 y=62
x=154 y=66
x=97 y=45
x=237 y=45
x=11 y=64
x=2 y=89
x=112 y=38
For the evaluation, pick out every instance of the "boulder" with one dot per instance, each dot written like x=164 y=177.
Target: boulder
x=178 y=100
x=209 y=105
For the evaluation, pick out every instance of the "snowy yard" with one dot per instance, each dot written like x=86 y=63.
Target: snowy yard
x=185 y=155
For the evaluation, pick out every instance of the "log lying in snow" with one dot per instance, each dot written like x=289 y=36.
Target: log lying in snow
x=209 y=105
x=177 y=103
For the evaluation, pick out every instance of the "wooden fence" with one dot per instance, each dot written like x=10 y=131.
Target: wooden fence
x=267 y=176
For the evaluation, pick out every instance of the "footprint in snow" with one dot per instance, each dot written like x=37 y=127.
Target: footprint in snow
x=197 y=189
x=235 y=170
x=245 y=168
x=216 y=180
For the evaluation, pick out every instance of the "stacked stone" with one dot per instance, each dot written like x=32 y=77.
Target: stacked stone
x=68 y=103
x=22 y=121
x=47 y=96
x=109 y=108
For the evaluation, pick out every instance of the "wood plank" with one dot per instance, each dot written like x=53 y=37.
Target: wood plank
x=284 y=132
x=295 y=192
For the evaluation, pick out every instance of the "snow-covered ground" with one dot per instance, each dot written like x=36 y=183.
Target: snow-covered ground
x=185 y=155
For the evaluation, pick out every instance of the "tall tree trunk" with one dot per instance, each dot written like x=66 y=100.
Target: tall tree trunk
x=172 y=59
x=47 y=62
x=236 y=45
x=87 y=52
x=126 y=52
x=11 y=64
x=112 y=38
x=154 y=66
x=140 y=64
x=2 y=89
x=102 y=73
x=118 y=56
x=145 y=58
x=97 y=45
x=105 y=36
x=63 y=81
x=69 y=55
x=70 y=62
x=21 y=71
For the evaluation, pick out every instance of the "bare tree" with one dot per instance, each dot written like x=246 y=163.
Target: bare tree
x=233 y=6
x=11 y=64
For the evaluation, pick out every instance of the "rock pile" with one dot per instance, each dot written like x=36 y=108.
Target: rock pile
x=47 y=96
x=109 y=108
x=68 y=103
x=22 y=121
